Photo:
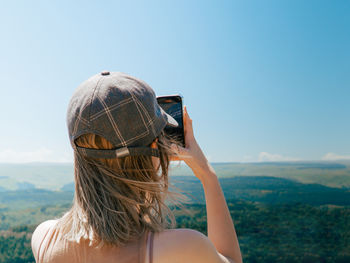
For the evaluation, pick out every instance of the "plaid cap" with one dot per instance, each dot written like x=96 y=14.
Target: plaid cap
x=120 y=108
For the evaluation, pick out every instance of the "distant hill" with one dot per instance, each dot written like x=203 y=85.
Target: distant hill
x=262 y=189
x=52 y=176
x=333 y=174
x=13 y=200
x=269 y=190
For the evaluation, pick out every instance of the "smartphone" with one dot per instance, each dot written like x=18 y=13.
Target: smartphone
x=172 y=104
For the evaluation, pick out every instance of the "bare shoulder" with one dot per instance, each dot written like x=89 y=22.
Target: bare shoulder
x=43 y=227
x=185 y=245
x=40 y=233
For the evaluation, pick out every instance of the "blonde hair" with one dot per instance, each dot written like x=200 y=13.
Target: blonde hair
x=117 y=200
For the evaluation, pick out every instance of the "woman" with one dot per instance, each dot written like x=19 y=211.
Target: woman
x=121 y=161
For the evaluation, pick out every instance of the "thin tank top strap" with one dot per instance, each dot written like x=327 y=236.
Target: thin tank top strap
x=151 y=247
x=146 y=248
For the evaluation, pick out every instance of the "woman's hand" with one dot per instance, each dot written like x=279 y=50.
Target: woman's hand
x=192 y=154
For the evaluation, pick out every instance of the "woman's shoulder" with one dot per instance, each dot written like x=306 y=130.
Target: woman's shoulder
x=43 y=227
x=39 y=234
x=184 y=245
x=179 y=235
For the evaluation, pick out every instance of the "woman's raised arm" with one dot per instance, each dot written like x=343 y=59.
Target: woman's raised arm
x=221 y=230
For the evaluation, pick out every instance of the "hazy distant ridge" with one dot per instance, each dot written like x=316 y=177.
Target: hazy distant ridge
x=55 y=176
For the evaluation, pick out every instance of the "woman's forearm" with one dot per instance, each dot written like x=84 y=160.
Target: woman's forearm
x=221 y=230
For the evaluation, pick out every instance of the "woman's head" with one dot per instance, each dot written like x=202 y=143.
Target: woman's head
x=120 y=108
x=120 y=188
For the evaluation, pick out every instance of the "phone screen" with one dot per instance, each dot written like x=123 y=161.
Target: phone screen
x=173 y=106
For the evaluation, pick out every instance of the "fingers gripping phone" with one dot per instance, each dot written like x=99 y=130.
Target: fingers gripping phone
x=172 y=105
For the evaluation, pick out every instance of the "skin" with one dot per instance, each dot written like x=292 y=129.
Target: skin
x=221 y=245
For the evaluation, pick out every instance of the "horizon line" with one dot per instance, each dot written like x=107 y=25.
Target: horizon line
x=182 y=162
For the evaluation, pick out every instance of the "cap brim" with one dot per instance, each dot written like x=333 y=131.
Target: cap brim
x=170 y=120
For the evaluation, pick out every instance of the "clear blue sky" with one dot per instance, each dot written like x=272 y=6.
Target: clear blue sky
x=262 y=80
